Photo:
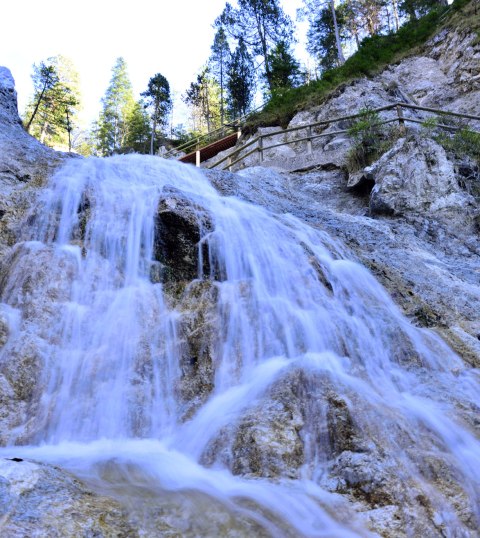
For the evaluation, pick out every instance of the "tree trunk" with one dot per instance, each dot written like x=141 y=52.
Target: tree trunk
x=152 y=137
x=43 y=133
x=395 y=14
x=39 y=100
x=341 y=58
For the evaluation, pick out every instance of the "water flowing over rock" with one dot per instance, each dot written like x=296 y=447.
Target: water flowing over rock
x=261 y=373
x=205 y=355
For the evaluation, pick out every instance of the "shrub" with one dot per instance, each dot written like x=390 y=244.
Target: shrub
x=371 y=140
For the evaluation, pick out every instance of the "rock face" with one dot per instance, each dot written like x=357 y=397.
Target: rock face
x=179 y=228
x=39 y=500
x=416 y=176
x=24 y=163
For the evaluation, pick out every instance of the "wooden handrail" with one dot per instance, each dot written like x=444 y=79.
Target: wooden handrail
x=235 y=124
x=400 y=118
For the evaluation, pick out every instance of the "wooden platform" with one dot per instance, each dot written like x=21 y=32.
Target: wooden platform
x=211 y=150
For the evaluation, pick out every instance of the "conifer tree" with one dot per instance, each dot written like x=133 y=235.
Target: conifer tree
x=322 y=39
x=51 y=113
x=139 y=130
x=240 y=80
x=285 y=70
x=159 y=103
x=203 y=96
x=262 y=24
x=219 y=61
x=117 y=106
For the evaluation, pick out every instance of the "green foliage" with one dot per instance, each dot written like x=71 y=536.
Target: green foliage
x=370 y=140
x=284 y=69
x=219 y=61
x=240 y=80
x=51 y=112
x=374 y=54
x=321 y=42
x=118 y=104
x=463 y=143
x=159 y=104
x=203 y=97
x=139 y=132
x=262 y=24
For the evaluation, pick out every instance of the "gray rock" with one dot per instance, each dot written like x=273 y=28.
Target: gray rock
x=416 y=176
x=38 y=500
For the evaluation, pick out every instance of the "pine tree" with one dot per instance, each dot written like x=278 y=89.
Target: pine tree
x=240 y=80
x=324 y=36
x=285 y=70
x=51 y=112
x=262 y=24
x=118 y=103
x=417 y=8
x=139 y=132
x=159 y=103
x=219 y=61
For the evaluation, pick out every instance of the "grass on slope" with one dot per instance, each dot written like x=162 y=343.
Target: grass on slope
x=374 y=55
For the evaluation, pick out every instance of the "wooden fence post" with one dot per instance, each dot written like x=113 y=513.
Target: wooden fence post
x=309 y=141
x=401 y=121
x=260 y=147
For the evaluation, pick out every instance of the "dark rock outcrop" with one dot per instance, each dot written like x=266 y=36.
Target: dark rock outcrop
x=180 y=227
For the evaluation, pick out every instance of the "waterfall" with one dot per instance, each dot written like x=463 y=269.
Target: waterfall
x=302 y=338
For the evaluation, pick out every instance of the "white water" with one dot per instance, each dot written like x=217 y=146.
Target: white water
x=112 y=354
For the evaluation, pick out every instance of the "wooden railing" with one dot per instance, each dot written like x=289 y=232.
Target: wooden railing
x=200 y=141
x=260 y=148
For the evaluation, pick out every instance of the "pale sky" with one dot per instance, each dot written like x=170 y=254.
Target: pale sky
x=172 y=37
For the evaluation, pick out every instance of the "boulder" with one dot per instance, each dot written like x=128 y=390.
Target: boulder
x=416 y=176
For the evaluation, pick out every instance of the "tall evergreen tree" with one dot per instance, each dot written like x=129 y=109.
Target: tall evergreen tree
x=159 y=103
x=50 y=114
x=117 y=106
x=262 y=24
x=44 y=79
x=324 y=36
x=219 y=61
x=417 y=8
x=240 y=80
x=139 y=129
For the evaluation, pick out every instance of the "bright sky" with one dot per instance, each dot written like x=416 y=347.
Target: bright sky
x=172 y=37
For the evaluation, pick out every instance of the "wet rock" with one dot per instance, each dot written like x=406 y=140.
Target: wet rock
x=180 y=225
x=40 y=500
x=265 y=441
x=198 y=334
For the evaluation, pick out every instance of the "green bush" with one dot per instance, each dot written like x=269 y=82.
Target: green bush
x=464 y=143
x=370 y=140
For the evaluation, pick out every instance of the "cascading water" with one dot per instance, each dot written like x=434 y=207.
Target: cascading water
x=296 y=324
